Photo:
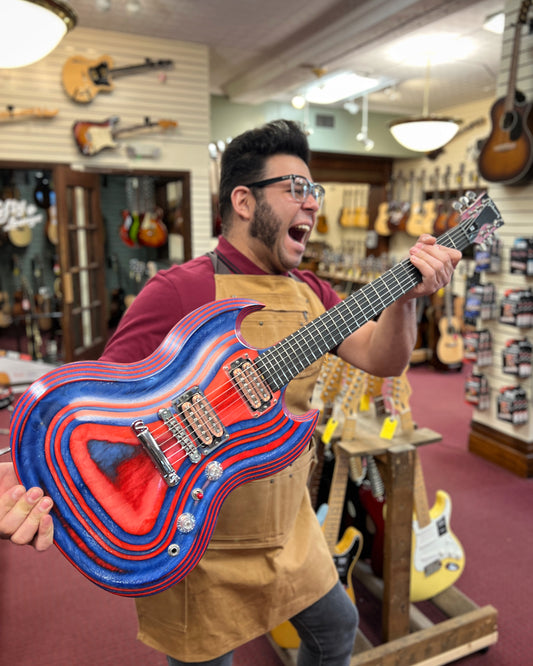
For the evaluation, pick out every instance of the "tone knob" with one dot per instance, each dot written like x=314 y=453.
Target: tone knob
x=185 y=523
x=213 y=470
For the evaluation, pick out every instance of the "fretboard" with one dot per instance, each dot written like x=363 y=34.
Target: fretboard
x=282 y=362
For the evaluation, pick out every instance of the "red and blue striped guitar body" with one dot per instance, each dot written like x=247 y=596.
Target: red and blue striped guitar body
x=116 y=518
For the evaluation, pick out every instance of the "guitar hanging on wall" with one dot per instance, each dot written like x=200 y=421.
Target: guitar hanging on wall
x=139 y=457
x=83 y=79
x=93 y=137
x=13 y=113
x=507 y=154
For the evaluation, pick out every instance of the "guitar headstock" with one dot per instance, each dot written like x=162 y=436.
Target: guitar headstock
x=480 y=217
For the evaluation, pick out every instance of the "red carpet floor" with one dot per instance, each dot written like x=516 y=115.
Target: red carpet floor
x=51 y=616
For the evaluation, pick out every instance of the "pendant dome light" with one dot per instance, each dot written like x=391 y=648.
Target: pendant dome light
x=31 y=29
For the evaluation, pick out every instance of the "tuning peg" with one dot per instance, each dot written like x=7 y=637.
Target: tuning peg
x=471 y=195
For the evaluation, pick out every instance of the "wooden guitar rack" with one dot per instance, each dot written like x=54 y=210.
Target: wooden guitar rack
x=409 y=637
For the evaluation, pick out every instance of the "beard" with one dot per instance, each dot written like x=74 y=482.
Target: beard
x=265 y=225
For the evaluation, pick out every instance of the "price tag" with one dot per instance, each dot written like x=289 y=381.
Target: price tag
x=388 y=428
x=330 y=428
x=364 y=405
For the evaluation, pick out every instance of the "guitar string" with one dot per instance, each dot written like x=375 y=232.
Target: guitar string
x=400 y=287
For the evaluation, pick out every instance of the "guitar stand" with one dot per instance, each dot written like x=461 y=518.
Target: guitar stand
x=409 y=637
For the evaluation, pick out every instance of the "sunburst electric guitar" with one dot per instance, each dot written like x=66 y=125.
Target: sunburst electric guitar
x=93 y=137
x=139 y=457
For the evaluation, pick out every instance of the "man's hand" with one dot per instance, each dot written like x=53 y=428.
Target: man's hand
x=436 y=264
x=24 y=514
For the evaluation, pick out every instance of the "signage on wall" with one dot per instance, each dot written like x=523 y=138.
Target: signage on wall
x=15 y=213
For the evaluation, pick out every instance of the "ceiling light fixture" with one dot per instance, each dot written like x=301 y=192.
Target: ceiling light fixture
x=340 y=86
x=426 y=132
x=362 y=136
x=31 y=29
x=298 y=102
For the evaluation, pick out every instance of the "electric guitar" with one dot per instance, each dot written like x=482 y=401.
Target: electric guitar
x=437 y=557
x=506 y=156
x=83 y=79
x=93 y=137
x=139 y=457
x=13 y=113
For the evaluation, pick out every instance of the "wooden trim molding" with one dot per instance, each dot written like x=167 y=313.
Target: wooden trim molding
x=504 y=450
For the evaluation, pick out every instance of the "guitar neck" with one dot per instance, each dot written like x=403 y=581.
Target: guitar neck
x=336 y=497
x=141 y=67
x=420 y=499
x=511 y=89
x=288 y=358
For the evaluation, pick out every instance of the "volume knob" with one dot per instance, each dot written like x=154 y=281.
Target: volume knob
x=186 y=523
x=213 y=470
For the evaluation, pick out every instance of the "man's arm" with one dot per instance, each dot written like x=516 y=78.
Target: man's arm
x=384 y=348
x=24 y=514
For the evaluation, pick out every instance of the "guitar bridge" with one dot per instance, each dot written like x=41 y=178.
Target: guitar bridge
x=155 y=453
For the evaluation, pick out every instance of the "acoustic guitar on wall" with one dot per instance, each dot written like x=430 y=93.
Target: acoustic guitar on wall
x=83 y=79
x=93 y=137
x=507 y=154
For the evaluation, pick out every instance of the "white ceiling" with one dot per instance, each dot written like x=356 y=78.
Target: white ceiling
x=267 y=50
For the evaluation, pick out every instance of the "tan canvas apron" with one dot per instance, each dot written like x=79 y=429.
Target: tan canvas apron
x=267 y=559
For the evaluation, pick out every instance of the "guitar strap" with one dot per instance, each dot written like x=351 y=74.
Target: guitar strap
x=223 y=266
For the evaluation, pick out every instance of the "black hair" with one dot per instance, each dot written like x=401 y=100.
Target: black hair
x=243 y=160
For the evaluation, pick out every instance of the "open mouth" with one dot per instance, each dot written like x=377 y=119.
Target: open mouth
x=299 y=232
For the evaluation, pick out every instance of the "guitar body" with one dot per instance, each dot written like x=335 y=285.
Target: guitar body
x=450 y=345
x=381 y=225
x=75 y=433
x=152 y=230
x=322 y=224
x=437 y=558
x=375 y=508
x=93 y=137
x=416 y=223
x=507 y=154
x=83 y=79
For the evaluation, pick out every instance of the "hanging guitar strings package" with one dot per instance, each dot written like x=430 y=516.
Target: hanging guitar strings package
x=477 y=391
x=512 y=405
x=516 y=358
x=517 y=308
x=478 y=347
x=521 y=260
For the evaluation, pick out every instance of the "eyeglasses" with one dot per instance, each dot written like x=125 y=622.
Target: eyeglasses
x=301 y=187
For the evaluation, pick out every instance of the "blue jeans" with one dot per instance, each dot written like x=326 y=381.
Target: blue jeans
x=327 y=630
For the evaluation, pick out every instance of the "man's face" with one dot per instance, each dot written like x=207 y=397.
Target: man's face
x=281 y=226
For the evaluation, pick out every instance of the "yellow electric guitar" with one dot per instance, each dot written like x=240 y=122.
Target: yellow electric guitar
x=437 y=557
x=83 y=79
x=93 y=137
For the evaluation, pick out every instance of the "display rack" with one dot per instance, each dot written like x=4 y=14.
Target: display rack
x=409 y=636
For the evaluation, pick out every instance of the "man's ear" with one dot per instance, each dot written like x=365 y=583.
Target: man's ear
x=243 y=202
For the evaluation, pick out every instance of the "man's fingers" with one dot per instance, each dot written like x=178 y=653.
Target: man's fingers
x=21 y=514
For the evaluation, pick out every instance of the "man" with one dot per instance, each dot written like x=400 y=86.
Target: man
x=267 y=560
